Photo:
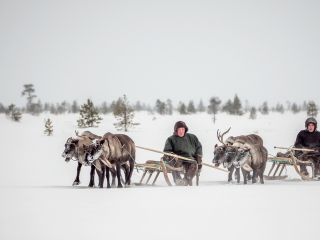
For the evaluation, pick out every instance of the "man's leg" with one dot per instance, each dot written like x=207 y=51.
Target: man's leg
x=316 y=161
x=191 y=169
x=175 y=174
x=303 y=167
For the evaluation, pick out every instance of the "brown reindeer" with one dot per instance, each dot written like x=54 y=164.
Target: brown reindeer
x=252 y=156
x=113 y=151
x=75 y=149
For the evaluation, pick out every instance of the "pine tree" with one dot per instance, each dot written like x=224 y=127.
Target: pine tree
x=253 y=113
x=214 y=107
x=46 y=107
x=228 y=107
x=169 y=107
x=280 y=108
x=89 y=115
x=53 y=110
x=48 y=126
x=138 y=106
x=304 y=106
x=74 y=107
x=312 y=110
x=265 y=109
x=201 y=107
x=237 y=105
x=104 y=108
x=64 y=106
x=191 y=109
x=294 y=108
x=182 y=109
x=13 y=113
x=160 y=107
x=124 y=115
x=116 y=106
x=28 y=91
x=2 y=108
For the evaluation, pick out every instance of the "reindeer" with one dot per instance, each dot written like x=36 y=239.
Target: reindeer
x=113 y=151
x=76 y=149
x=225 y=155
x=219 y=151
x=252 y=156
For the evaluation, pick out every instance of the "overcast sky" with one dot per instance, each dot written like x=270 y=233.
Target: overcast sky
x=182 y=50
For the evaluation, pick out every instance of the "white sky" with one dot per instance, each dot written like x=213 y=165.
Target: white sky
x=182 y=50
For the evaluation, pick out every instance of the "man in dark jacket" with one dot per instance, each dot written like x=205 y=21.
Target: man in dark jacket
x=309 y=139
x=185 y=145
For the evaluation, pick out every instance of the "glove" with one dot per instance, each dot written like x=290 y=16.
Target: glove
x=199 y=167
x=198 y=159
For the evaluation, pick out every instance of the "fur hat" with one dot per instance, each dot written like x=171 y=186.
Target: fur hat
x=180 y=124
x=311 y=120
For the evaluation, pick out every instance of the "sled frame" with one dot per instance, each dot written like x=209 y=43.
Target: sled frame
x=293 y=161
x=153 y=166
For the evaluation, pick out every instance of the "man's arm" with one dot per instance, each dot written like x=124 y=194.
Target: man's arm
x=300 y=140
x=168 y=148
x=299 y=143
x=198 y=154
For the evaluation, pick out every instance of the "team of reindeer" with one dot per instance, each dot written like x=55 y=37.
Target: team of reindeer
x=113 y=152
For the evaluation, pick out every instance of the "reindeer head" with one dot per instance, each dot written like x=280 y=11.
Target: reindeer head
x=95 y=149
x=71 y=147
x=219 y=151
x=219 y=156
x=231 y=153
x=242 y=156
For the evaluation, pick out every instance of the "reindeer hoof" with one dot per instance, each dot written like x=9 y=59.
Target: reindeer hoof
x=120 y=186
x=127 y=185
x=91 y=186
x=76 y=183
x=109 y=186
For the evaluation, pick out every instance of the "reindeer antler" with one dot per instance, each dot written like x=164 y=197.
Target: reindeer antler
x=77 y=133
x=220 y=137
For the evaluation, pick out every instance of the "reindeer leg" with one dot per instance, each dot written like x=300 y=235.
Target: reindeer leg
x=91 y=183
x=125 y=169
x=118 y=168
x=261 y=171
x=101 y=176
x=107 y=176
x=244 y=173
x=231 y=169
x=77 y=180
x=238 y=175
x=128 y=181
x=114 y=175
x=254 y=174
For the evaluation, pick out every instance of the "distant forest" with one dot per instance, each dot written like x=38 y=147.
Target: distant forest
x=233 y=106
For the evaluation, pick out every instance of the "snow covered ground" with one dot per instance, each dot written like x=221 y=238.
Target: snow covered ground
x=38 y=202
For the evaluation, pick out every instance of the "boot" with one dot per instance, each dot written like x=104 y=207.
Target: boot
x=182 y=182
x=303 y=169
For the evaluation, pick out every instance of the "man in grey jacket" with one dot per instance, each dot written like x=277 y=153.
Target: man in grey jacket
x=185 y=145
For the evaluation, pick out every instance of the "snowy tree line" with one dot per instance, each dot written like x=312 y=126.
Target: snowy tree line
x=214 y=106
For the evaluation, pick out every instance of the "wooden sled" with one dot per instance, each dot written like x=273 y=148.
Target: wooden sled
x=293 y=161
x=159 y=167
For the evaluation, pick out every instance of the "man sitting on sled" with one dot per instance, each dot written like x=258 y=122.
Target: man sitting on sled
x=310 y=139
x=185 y=145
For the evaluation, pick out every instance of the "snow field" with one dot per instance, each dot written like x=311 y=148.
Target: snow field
x=38 y=201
